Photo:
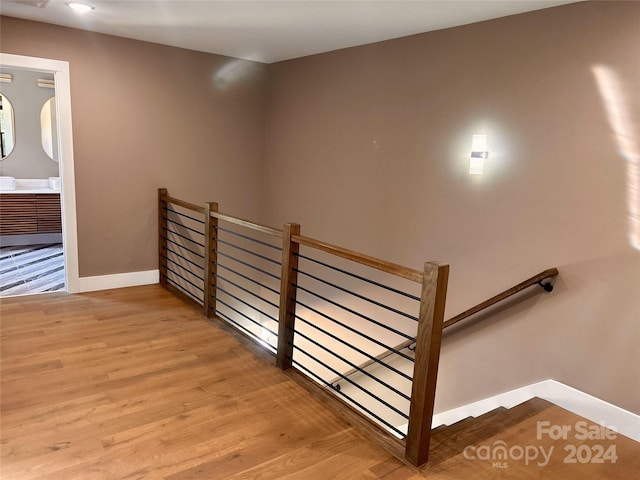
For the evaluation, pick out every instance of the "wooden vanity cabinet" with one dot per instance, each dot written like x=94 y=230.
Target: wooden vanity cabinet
x=30 y=213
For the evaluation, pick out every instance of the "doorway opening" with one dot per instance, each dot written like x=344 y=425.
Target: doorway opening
x=38 y=234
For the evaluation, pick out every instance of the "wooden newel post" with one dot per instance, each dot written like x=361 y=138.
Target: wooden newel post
x=425 y=373
x=288 y=282
x=210 y=259
x=162 y=234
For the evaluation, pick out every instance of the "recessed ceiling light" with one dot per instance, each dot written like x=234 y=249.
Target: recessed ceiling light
x=80 y=7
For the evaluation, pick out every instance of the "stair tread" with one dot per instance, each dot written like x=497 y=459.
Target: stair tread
x=452 y=439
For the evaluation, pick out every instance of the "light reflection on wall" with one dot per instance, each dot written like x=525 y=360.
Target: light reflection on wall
x=621 y=122
x=232 y=72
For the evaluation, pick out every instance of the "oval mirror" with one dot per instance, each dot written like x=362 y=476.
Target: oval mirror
x=49 y=129
x=7 y=132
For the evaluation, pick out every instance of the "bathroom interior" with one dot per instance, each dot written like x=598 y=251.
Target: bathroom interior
x=31 y=249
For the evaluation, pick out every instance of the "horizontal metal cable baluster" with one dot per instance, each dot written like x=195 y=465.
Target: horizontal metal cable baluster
x=359 y=277
x=362 y=297
x=360 y=351
x=383 y=402
x=184 y=258
x=246 y=316
x=246 y=264
x=356 y=367
x=183 y=215
x=246 y=277
x=261 y=242
x=246 y=303
x=183 y=247
x=351 y=329
x=248 y=291
x=354 y=312
x=177 y=285
x=183 y=268
x=246 y=250
x=248 y=332
x=185 y=237
x=184 y=226
x=186 y=280
x=299 y=366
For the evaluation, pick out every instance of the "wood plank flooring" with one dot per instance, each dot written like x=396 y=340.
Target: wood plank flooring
x=135 y=384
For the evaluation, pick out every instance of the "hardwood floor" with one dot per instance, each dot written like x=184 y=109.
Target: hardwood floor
x=135 y=384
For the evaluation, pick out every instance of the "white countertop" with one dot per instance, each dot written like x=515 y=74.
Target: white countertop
x=31 y=185
x=30 y=190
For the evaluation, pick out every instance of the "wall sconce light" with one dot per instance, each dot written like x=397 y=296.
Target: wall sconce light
x=479 y=152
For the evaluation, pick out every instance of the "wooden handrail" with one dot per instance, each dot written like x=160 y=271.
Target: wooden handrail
x=221 y=216
x=383 y=265
x=248 y=224
x=549 y=273
x=183 y=204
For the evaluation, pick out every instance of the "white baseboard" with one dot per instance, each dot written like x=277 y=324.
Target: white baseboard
x=118 y=280
x=575 y=401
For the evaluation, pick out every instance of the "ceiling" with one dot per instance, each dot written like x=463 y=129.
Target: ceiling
x=268 y=30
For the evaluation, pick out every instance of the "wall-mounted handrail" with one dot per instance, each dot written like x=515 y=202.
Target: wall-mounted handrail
x=535 y=280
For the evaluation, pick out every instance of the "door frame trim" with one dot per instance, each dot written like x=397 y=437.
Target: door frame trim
x=60 y=70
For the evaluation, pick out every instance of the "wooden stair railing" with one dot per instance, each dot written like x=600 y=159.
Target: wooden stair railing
x=535 y=280
x=414 y=447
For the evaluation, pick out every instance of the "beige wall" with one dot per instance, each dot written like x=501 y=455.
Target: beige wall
x=368 y=148
x=145 y=116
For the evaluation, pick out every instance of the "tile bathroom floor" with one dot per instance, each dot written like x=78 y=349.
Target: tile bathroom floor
x=31 y=269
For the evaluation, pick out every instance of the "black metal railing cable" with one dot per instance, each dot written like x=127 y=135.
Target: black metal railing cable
x=377 y=417
x=359 y=369
x=353 y=347
x=218 y=287
x=168 y=250
x=246 y=250
x=183 y=247
x=354 y=312
x=185 y=237
x=357 y=295
x=247 y=237
x=351 y=329
x=199 y=288
x=245 y=316
x=183 y=215
x=359 y=277
x=187 y=292
x=242 y=328
x=246 y=277
x=183 y=268
x=246 y=290
x=181 y=225
x=321 y=380
x=247 y=264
